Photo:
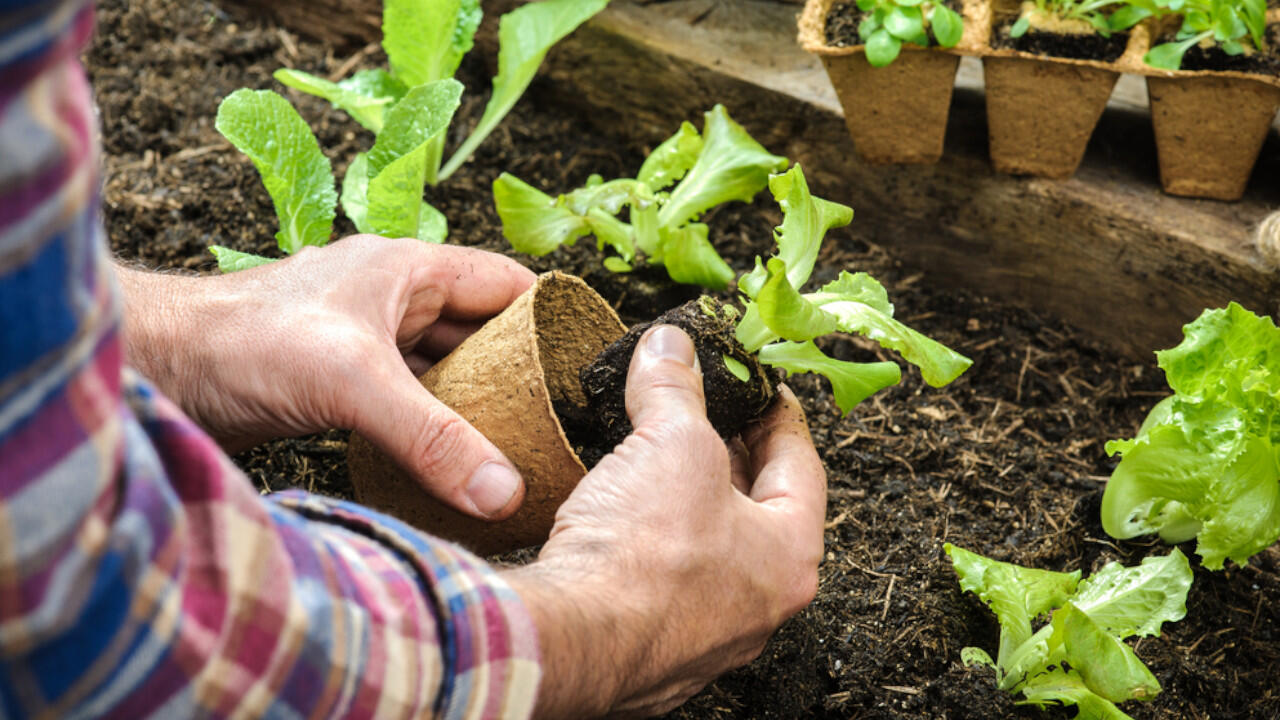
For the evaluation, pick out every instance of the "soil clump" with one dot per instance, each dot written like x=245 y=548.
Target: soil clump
x=731 y=401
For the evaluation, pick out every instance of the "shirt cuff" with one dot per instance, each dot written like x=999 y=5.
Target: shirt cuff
x=488 y=641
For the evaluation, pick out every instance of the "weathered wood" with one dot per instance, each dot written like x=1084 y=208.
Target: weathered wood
x=345 y=24
x=1105 y=250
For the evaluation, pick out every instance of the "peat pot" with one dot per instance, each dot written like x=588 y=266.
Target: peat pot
x=1209 y=131
x=1041 y=113
x=897 y=113
x=504 y=380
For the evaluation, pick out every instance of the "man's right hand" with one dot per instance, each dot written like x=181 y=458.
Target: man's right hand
x=671 y=563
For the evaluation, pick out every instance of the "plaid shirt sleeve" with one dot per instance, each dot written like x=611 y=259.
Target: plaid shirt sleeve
x=141 y=575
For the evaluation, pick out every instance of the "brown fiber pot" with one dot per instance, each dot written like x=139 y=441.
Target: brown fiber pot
x=897 y=113
x=1040 y=114
x=503 y=380
x=1209 y=131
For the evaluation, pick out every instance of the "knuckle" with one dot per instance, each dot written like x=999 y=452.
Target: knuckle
x=438 y=442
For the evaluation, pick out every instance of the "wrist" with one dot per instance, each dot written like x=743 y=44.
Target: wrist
x=169 y=323
x=590 y=640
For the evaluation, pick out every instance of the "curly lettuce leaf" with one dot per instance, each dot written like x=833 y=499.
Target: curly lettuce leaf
x=805 y=222
x=524 y=37
x=731 y=166
x=1078 y=657
x=851 y=382
x=1016 y=594
x=425 y=41
x=396 y=208
x=1136 y=600
x=365 y=96
x=355 y=192
x=672 y=159
x=299 y=178
x=1205 y=463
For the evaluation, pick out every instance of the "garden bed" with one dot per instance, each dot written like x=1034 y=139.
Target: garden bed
x=1007 y=460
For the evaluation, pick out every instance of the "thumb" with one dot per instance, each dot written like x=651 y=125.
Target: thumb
x=664 y=382
x=441 y=450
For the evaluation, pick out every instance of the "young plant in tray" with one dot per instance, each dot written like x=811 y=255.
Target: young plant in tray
x=1206 y=462
x=777 y=328
x=1078 y=657
x=890 y=23
x=408 y=108
x=684 y=177
x=1238 y=27
x=1093 y=13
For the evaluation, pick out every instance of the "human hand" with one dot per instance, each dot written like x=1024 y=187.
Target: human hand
x=671 y=563
x=333 y=337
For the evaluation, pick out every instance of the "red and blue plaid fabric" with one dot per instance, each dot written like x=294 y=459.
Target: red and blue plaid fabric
x=141 y=575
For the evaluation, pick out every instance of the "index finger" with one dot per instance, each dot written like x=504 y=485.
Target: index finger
x=475 y=284
x=788 y=472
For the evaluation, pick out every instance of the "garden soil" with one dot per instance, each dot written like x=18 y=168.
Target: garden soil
x=1007 y=461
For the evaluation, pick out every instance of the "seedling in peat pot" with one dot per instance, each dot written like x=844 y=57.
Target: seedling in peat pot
x=776 y=327
x=1078 y=657
x=1206 y=462
x=1238 y=27
x=1092 y=12
x=889 y=23
x=722 y=164
x=408 y=108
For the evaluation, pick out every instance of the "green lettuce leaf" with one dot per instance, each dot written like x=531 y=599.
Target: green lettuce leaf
x=732 y=166
x=672 y=159
x=532 y=221
x=524 y=37
x=299 y=178
x=421 y=117
x=1205 y=463
x=1063 y=687
x=425 y=41
x=690 y=258
x=365 y=96
x=1016 y=594
x=805 y=222
x=938 y=363
x=1108 y=667
x=851 y=382
x=395 y=199
x=355 y=192
x=232 y=260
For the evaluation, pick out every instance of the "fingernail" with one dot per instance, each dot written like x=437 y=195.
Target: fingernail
x=492 y=486
x=666 y=341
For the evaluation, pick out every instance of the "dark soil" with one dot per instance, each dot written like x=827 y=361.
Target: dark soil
x=1213 y=58
x=731 y=402
x=1076 y=47
x=1006 y=461
x=843 y=20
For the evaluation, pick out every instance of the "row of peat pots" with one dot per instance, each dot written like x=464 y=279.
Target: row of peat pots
x=1048 y=79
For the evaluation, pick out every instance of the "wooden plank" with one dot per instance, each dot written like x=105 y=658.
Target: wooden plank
x=1106 y=250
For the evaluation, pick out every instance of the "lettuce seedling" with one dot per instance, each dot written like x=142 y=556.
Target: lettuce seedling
x=1078 y=657
x=722 y=164
x=889 y=23
x=1237 y=26
x=1089 y=11
x=1206 y=462
x=409 y=109
x=780 y=323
